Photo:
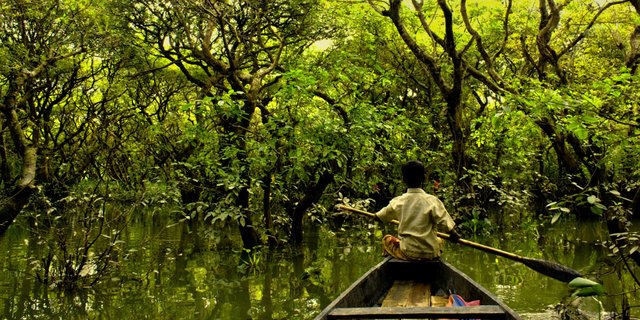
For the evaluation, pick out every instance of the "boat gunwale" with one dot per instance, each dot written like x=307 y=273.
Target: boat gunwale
x=484 y=290
x=475 y=312
x=325 y=312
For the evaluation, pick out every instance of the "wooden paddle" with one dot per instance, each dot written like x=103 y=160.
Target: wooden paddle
x=548 y=268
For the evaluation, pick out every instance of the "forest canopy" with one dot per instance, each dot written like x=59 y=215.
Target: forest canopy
x=261 y=113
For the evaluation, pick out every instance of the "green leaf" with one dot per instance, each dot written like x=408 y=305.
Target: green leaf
x=582 y=133
x=596 y=210
x=592 y=199
x=581 y=282
x=586 y=287
x=590 y=119
x=556 y=217
x=187 y=107
x=589 y=291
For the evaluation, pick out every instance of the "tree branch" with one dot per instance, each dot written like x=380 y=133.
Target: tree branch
x=584 y=32
x=505 y=25
x=423 y=21
x=341 y=111
x=419 y=52
x=479 y=45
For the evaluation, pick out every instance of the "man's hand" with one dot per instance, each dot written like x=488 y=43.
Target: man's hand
x=454 y=236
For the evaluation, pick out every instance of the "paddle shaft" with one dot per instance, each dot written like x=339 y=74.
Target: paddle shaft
x=548 y=268
x=445 y=236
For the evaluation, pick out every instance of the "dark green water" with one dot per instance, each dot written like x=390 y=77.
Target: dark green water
x=188 y=272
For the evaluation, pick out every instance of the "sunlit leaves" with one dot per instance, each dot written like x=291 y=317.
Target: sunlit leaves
x=558 y=210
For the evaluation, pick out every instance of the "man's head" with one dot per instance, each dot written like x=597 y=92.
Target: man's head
x=413 y=173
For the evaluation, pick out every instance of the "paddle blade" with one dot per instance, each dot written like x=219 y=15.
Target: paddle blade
x=552 y=269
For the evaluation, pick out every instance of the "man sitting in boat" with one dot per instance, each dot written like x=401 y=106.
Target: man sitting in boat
x=420 y=215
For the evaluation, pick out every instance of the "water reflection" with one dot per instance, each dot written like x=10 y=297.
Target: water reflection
x=190 y=271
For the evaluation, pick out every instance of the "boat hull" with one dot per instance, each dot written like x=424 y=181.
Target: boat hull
x=364 y=298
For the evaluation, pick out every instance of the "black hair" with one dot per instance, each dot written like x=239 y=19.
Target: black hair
x=413 y=173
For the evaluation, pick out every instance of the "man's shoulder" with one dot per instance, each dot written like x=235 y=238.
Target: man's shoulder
x=423 y=194
x=429 y=199
x=416 y=195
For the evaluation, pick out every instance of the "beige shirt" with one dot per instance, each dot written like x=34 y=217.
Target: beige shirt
x=421 y=215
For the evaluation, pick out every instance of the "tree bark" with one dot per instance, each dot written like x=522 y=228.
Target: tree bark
x=459 y=151
x=635 y=206
x=5 y=171
x=633 y=58
x=566 y=160
x=23 y=190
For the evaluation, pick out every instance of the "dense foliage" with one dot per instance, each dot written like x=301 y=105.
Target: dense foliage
x=260 y=113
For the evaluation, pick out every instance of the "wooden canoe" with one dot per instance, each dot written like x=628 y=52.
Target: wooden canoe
x=396 y=289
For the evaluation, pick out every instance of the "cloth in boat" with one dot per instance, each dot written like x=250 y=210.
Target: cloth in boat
x=456 y=300
x=420 y=215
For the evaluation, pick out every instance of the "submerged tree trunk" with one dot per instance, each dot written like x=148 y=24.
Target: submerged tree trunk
x=247 y=231
x=266 y=209
x=11 y=207
x=312 y=195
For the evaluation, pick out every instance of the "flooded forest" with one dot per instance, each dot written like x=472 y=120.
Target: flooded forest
x=184 y=158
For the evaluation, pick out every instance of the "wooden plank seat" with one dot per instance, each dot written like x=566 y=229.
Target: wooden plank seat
x=475 y=312
x=408 y=293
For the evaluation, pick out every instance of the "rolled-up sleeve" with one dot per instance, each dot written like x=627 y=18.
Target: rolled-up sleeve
x=389 y=212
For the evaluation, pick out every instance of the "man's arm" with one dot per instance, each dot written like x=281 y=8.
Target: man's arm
x=387 y=213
